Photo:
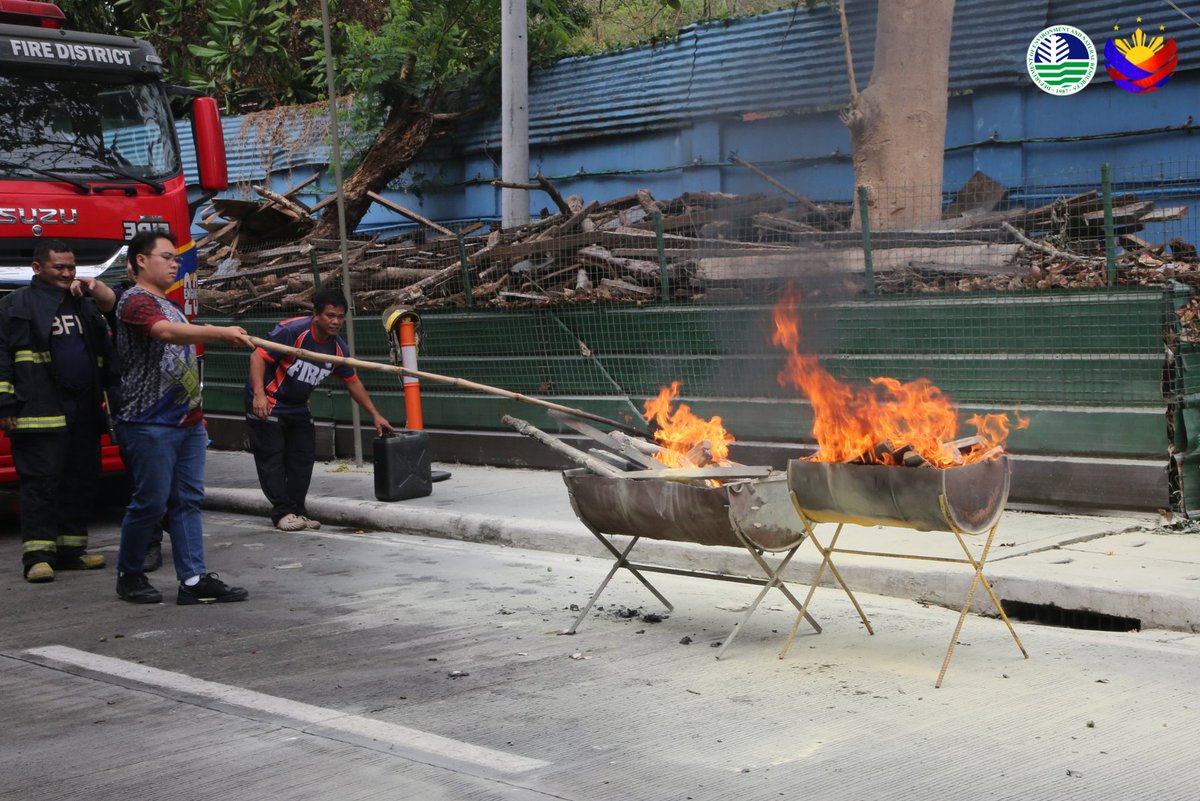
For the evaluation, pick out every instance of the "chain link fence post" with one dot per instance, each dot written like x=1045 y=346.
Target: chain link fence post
x=868 y=262
x=468 y=293
x=663 y=277
x=1110 y=249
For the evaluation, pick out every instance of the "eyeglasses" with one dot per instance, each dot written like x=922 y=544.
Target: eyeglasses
x=168 y=256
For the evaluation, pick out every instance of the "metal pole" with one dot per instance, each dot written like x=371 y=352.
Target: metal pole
x=331 y=90
x=466 y=271
x=868 y=260
x=1110 y=250
x=514 y=112
x=663 y=277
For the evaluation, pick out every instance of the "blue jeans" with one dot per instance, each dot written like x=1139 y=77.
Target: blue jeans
x=166 y=464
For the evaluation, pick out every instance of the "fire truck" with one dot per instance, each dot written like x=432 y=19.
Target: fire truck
x=89 y=154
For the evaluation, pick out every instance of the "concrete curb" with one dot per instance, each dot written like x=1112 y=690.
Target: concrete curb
x=924 y=582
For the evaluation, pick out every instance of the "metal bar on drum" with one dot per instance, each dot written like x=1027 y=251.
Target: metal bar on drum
x=902 y=556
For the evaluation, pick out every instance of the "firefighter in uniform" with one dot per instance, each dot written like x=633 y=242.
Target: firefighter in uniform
x=54 y=348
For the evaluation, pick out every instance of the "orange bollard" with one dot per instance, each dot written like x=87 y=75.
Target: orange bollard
x=412 y=386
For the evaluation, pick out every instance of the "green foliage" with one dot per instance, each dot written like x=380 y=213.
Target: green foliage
x=91 y=16
x=433 y=55
x=625 y=23
x=247 y=53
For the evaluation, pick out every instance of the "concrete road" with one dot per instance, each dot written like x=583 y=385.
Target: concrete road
x=386 y=666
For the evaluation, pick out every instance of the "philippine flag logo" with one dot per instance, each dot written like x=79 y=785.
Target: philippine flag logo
x=1140 y=63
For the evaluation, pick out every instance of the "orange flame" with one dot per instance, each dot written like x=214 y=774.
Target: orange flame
x=853 y=422
x=680 y=431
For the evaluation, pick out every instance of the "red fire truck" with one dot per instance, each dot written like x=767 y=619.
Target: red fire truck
x=89 y=154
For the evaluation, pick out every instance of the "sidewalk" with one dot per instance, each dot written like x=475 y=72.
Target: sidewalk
x=1119 y=566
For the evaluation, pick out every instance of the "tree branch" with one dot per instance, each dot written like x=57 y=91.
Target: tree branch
x=451 y=116
x=841 y=4
x=1047 y=249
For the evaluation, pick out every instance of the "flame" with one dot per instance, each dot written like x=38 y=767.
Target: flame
x=679 y=431
x=853 y=422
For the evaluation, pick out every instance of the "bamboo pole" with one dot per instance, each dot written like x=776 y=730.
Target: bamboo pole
x=461 y=383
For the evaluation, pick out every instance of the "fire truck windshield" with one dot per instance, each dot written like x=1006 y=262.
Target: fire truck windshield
x=87 y=128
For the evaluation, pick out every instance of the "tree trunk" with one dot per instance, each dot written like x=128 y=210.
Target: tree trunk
x=898 y=123
x=399 y=142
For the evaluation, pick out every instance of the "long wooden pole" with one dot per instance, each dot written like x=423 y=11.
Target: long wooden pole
x=461 y=383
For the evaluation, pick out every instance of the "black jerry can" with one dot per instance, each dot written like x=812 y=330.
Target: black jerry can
x=402 y=465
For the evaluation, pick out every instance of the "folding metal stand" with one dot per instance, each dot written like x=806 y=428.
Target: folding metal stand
x=976 y=564
x=636 y=569
x=708 y=524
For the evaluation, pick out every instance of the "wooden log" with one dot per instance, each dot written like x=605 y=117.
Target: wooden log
x=693 y=473
x=409 y=213
x=1121 y=214
x=524 y=296
x=554 y=194
x=417 y=289
x=982 y=259
x=777 y=224
x=617 y=285
x=397 y=276
x=598 y=466
x=294 y=188
x=323 y=203
x=618 y=203
x=286 y=204
x=214 y=236
x=646 y=201
x=596 y=256
x=574 y=221
x=805 y=203
x=1164 y=215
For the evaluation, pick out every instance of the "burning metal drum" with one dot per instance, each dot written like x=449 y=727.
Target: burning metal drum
x=760 y=510
x=969 y=498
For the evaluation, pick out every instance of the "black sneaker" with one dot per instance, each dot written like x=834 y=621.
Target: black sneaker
x=153 y=559
x=135 y=588
x=209 y=590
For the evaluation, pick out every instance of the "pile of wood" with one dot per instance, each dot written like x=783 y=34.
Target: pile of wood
x=235 y=226
x=958 y=452
x=620 y=455
x=1061 y=245
x=714 y=245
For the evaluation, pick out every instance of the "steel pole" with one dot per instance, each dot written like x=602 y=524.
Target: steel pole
x=334 y=138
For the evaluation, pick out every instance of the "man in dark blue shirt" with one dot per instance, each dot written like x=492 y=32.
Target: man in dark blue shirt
x=278 y=419
x=54 y=356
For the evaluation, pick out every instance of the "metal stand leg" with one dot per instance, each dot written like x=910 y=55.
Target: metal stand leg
x=773 y=580
x=826 y=561
x=622 y=562
x=977 y=579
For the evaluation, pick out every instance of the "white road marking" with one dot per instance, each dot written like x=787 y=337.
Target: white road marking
x=378 y=730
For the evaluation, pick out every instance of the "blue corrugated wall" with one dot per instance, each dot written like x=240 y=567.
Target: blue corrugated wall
x=668 y=117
